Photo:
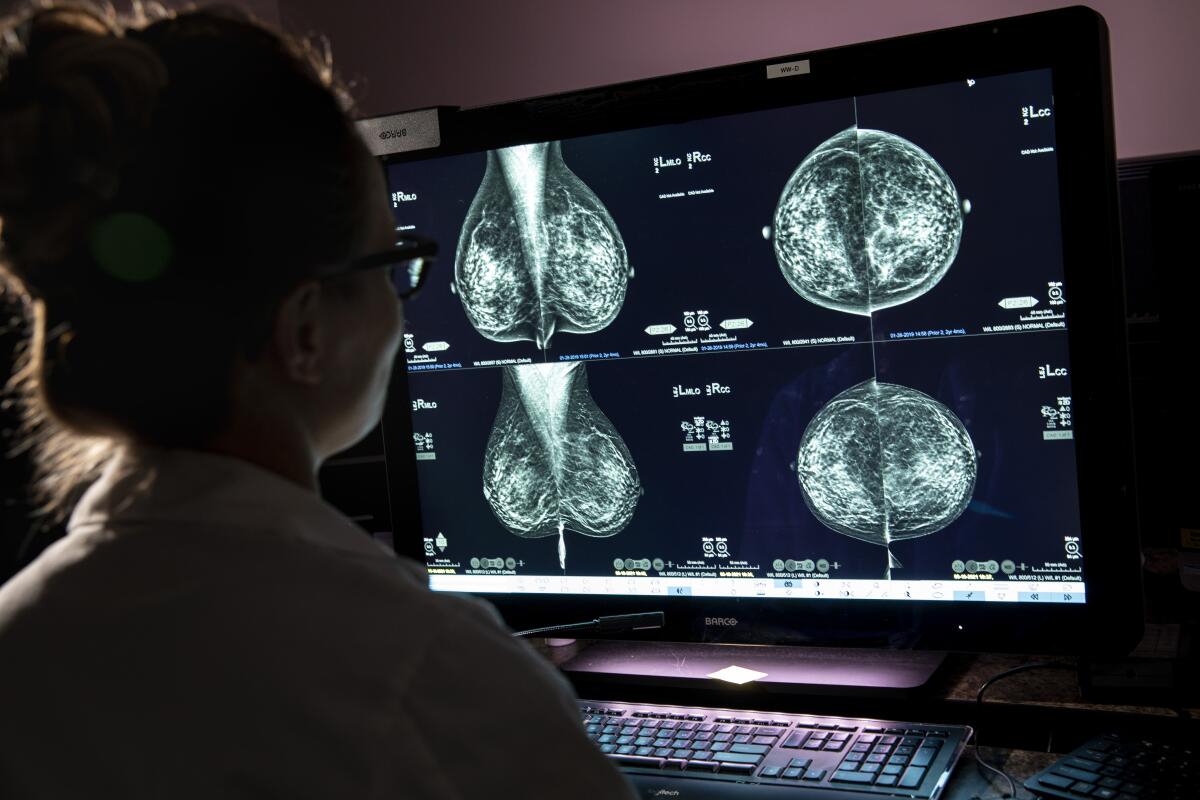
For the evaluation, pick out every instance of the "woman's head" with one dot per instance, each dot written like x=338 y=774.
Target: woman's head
x=167 y=191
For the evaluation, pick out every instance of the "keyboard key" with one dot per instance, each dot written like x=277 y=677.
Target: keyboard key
x=814 y=775
x=644 y=751
x=1057 y=781
x=737 y=769
x=675 y=763
x=703 y=755
x=756 y=749
x=625 y=740
x=767 y=740
x=1085 y=775
x=800 y=763
x=842 y=776
x=697 y=765
x=742 y=738
x=1082 y=787
x=835 y=747
x=608 y=748
x=684 y=754
x=912 y=777
x=924 y=757
x=639 y=761
x=794 y=739
x=886 y=780
x=737 y=758
x=769 y=772
x=625 y=750
x=892 y=769
x=869 y=768
x=793 y=773
x=661 y=752
x=643 y=741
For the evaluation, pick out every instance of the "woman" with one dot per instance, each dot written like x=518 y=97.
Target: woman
x=195 y=228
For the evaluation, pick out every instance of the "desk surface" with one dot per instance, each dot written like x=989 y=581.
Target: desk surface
x=1027 y=721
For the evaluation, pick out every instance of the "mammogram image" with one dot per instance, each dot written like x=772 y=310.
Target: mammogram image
x=538 y=253
x=882 y=463
x=867 y=221
x=554 y=461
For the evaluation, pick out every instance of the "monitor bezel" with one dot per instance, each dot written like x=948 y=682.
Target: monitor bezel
x=1073 y=44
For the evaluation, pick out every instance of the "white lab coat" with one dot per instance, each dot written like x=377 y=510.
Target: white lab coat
x=208 y=629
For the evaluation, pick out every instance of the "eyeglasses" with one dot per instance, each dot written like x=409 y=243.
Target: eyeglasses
x=408 y=263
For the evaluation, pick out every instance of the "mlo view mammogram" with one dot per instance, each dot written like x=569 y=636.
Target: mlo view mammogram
x=867 y=221
x=554 y=461
x=882 y=463
x=538 y=252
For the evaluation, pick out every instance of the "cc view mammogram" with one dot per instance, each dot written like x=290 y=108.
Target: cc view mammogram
x=538 y=252
x=554 y=461
x=867 y=221
x=883 y=463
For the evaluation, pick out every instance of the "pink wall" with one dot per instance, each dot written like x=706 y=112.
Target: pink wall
x=468 y=52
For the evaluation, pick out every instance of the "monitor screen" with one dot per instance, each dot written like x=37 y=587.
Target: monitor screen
x=812 y=352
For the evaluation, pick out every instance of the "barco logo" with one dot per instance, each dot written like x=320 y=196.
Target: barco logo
x=394 y=134
x=727 y=621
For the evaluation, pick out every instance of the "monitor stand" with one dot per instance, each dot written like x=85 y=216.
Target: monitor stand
x=773 y=669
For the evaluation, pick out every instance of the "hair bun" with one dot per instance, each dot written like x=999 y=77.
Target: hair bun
x=74 y=99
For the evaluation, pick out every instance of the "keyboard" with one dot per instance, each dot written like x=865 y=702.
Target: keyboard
x=683 y=753
x=1112 y=768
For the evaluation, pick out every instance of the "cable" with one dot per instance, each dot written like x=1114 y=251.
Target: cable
x=1023 y=668
x=618 y=623
x=1012 y=786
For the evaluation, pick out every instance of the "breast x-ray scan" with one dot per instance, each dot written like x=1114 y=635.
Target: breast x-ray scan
x=843 y=357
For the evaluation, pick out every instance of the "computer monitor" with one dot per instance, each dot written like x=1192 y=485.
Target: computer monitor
x=826 y=348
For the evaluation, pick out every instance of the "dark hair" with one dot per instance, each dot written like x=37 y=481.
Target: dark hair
x=162 y=184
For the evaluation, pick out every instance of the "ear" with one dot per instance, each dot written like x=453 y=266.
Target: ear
x=298 y=334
